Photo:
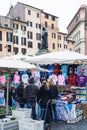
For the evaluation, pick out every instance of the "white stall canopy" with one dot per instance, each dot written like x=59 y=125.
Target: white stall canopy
x=16 y=64
x=65 y=56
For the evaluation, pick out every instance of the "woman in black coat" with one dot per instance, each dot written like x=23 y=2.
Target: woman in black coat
x=44 y=96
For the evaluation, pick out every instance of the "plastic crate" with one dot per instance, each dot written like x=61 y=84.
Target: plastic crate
x=22 y=113
x=30 y=124
x=10 y=125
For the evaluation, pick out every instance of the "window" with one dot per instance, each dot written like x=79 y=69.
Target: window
x=38 y=36
x=9 y=36
x=38 y=45
x=9 y=48
x=23 y=50
x=78 y=50
x=53 y=35
x=29 y=23
x=29 y=12
x=15 y=39
x=46 y=24
x=23 y=41
x=53 y=18
x=59 y=45
x=38 y=25
x=53 y=45
x=38 y=15
x=46 y=15
x=52 y=26
x=78 y=35
x=15 y=26
x=65 y=46
x=30 y=35
x=30 y=44
x=23 y=28
x=15 y=50
x=59 y=37
x=64 y=38
x=0 y=35
x=0 y=47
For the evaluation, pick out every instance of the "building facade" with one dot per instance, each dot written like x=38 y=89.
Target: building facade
x=77 y=30
x=21 y=31
x=64 y=43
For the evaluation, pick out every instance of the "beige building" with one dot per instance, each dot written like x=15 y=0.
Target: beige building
x=14 y=35
x=6 y=33
x=32 y=16
x=36 y=19
x=64 y=43
x=24 y=30
x=77 y=30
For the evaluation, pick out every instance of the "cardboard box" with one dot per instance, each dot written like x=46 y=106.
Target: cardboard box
x=84 y=108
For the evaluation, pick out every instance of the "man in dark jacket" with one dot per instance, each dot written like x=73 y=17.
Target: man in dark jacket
x=19 y=94
x=30 y=95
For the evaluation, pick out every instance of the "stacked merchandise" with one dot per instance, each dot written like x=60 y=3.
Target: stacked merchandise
x=79 y=112
x=69 y=109
x=81 y=93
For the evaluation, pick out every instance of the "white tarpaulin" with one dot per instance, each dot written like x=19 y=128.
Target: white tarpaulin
x=16 y=57
x=65 y=56
x=15 y=64
x=17 y=61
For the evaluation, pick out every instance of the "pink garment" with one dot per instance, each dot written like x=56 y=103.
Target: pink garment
x=17 y=79
x=61 y=79
x=3 y=79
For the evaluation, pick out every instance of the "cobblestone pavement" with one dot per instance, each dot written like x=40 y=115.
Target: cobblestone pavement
x=60 y=125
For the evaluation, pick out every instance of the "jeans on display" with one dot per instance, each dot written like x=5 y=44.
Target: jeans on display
x=31 y=103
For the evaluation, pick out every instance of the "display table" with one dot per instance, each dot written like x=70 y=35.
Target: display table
x=70 y=113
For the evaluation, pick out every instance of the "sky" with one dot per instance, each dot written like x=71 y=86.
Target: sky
x=63 y=9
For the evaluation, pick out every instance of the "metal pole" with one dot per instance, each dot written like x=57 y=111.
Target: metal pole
x=7 y=95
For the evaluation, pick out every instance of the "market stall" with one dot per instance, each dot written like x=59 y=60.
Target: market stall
x=9 y=65
x=70 y=71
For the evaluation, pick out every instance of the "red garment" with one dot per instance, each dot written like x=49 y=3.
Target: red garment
x=57 y=69
x=72 y=80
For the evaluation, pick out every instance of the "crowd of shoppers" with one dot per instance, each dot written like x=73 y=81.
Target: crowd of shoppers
x=45 y=95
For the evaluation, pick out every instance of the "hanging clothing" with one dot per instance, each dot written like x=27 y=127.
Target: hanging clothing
x=61 y=79
x=72 y=80
x=82 y=80
x=65 y=71
x=82 y=69
x=3 y=80
x=57 y=69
